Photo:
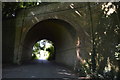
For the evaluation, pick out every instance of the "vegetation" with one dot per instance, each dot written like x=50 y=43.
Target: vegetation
x=106 y=39
x=43 y=49
x=10 y=9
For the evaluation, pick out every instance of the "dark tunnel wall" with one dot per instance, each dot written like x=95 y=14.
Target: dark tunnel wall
x=58 y=32
x=8 y=42
x=31 y=27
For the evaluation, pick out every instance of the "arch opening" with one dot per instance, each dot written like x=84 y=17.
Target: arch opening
x=61 y=33
x=43 y=50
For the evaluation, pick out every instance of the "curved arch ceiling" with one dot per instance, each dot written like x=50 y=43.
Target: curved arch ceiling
x=59 y=32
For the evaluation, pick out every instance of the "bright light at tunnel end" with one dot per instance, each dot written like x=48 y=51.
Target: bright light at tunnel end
x=42 y=50
x=44 y=55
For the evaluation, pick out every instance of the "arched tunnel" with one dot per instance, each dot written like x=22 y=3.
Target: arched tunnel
x=61 y=33
x=81 y=36
x=63 y=36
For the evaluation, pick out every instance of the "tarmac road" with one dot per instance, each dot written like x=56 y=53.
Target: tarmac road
x=37 y=69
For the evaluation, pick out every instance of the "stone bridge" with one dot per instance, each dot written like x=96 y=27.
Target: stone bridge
x=72 y=27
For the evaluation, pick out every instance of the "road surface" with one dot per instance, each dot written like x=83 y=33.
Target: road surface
x=37 y=69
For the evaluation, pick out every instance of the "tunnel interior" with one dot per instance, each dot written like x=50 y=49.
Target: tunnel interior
x=61 y=33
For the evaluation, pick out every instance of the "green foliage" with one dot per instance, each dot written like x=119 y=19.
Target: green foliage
x=106 y=36
x=109 y=8
x=10 y=9
x=40 y=51
x=117 y=54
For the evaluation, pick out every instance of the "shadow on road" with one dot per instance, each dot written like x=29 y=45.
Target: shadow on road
x=37 y=69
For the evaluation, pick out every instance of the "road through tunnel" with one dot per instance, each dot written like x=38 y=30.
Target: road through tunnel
x=85 y=37
x=61 y=33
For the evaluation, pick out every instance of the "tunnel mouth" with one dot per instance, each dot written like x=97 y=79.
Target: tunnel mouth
x=43 y=50
x=61 y=33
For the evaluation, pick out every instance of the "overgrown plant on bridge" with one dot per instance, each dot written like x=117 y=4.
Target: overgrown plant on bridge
x=11 y=9
x=117 y=54
x=101 y=43
x=101 y=52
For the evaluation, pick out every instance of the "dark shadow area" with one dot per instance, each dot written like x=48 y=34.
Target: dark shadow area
x=8 y=42
x=61 y=35
x=37 y=69
x=57 y=31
